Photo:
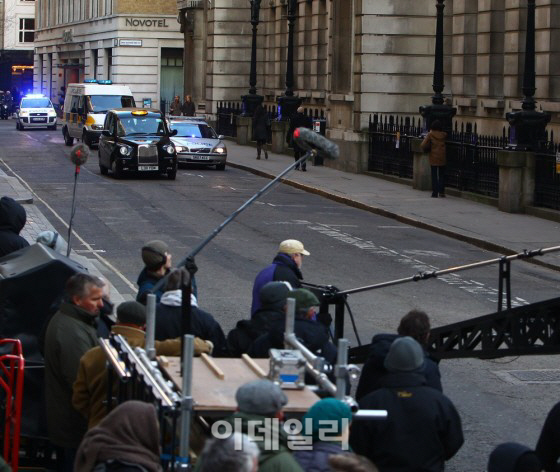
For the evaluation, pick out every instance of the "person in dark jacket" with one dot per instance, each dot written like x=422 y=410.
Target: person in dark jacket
x=261 y=125
x=310 y=332
x=298 y=120
x=188 y=108
x=12 y=221
x=273 y=309
x=203 y=324
x=422 y=429
x=548 y=445
x=513 y=457
x=286 y=267
x=329 y=420
x=434 y=143
x=415 y=324
x=127 y=439
x=175 y=107
x=157 y=262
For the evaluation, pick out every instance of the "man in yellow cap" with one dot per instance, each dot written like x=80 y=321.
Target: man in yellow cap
x=286 y=267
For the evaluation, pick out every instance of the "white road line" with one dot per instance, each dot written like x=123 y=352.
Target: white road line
x=469 y=286
x=88 y=246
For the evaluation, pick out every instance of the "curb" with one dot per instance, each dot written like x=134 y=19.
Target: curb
x=489 y=246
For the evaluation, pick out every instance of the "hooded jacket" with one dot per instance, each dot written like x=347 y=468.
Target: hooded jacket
x=434 y=142
x=282 y=269
x=373 y=369
x=316 y=459
x=12 y=221
x=513 y=457
x=548 y=445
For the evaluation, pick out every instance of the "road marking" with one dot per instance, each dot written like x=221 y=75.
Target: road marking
x=88 y=246
x=192 y=175
x=470 y=286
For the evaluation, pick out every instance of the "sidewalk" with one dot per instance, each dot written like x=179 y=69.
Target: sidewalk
x=37 y=222
x=476 y=223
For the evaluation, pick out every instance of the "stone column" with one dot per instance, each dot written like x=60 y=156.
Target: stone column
x=421 y=170
x=279 y=130
x=517 y=180
x=244 y=130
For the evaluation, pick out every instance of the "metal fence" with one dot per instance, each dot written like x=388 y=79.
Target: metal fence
x=227 y=118
x=547 y=179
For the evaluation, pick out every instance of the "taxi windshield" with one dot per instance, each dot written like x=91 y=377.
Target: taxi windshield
x=194 y=130
x=141 y=125
x=104 y=103
x=36 y=103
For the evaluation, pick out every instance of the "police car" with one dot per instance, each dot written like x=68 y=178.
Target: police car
x=197 y=143
x=36 y=111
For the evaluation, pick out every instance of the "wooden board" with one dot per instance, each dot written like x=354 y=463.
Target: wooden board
x=213 y=395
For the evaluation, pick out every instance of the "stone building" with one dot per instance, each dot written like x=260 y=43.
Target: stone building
x=354 y=58
x=131 y=42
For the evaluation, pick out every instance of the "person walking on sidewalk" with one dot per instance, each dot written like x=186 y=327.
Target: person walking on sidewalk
x=434 y=143
x=188 y=107
x=261 y=125
x=298 y=120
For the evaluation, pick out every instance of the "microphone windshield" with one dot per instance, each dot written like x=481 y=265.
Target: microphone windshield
x=79 y=154
x=308 y=139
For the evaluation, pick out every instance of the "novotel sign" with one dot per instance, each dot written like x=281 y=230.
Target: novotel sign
x=147 y=22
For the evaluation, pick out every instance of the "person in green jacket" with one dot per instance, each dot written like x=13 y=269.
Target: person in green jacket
x=260 y=406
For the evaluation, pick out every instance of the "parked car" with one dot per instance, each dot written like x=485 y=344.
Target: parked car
x=197 y=143
x=137 y=140
x=35 y=111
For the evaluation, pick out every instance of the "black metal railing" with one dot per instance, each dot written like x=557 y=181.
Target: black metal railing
x=390 y=149
x=227 y=118
x=472 y=160
x=547 y=176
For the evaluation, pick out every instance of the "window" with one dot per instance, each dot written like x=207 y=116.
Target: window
x=26 y=30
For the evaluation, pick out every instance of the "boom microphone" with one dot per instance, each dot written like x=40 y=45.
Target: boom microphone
x=308 y=140
x=79 y=154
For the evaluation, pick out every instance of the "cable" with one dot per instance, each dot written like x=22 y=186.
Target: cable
x=353 y=321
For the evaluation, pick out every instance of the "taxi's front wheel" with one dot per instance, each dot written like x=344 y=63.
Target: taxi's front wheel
x=172 y=174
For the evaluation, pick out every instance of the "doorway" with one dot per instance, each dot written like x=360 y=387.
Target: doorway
x=171 y=76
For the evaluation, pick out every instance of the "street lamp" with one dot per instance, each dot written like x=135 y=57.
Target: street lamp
x=528 y=124
x=250 y=101
x=438 y=110
x=288 y=102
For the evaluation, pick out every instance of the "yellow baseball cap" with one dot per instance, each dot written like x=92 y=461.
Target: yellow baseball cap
x=292 y=246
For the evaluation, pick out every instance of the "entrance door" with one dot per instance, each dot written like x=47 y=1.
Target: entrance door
x=171 y=75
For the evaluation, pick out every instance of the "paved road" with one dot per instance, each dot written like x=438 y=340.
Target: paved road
x=349 y=247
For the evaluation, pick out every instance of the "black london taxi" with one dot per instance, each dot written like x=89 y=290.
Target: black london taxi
x=137 y=140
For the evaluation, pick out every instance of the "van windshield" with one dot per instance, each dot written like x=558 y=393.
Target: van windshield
x=104 y=103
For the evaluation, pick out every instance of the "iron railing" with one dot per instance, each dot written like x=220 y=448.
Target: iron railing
x=547 y=176
x=227 y=118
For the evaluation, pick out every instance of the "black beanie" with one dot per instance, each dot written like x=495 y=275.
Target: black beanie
x=273 y=295
x=131 y=312
x=153 y=254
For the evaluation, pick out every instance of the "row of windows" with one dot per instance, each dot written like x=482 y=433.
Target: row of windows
x=56 y=12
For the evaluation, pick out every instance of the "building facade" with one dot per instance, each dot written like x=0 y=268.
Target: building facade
x=354 y=58
x=17 y=26
x=130 y=42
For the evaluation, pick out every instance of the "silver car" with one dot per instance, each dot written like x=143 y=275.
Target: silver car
x=197 y=143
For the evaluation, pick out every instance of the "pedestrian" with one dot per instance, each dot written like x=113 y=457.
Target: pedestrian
x=236 y=453
x=188 y=108
x=12 y=221
x=286 y=267
x=415 y=324
x=260 y=405
x=548 y=445
x=261 y=127
x=272 y=309
x=71 y=332
x=175 y=107
x=126 y=440
x=513 y=457
x=169 y=317
x=422 y=429
x=89 y=391
x=327 y=424
x=434 y=143
x=298 y=120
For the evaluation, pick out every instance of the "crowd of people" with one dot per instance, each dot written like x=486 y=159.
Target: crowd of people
x=422 y=430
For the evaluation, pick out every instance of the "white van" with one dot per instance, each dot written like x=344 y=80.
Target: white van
x=85 y=106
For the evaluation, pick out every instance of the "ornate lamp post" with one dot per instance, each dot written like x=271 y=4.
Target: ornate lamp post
x=288 y=102
x=250 y=101
x=438 y=110
x=528 y=124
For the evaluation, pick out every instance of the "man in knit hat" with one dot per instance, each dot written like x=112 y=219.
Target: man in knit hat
x=90 y=387
x=260 y=406
x=422 y=429
x=286 y=267
x=157 y=262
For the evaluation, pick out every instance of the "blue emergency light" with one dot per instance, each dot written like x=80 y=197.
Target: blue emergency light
x=105 y=82
x=90 y=81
